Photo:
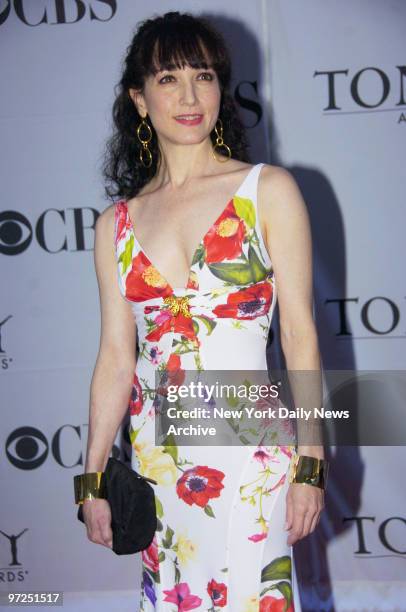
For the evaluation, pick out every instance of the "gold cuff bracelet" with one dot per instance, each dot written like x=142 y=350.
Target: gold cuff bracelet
x=91 y=485
x=310 y=470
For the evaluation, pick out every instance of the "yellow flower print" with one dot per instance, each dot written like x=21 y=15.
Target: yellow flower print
x=153 y=278
x=228 y=227
x=155 y=463
x=185 y=549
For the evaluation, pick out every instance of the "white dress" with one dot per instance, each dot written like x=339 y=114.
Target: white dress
x=220 y=542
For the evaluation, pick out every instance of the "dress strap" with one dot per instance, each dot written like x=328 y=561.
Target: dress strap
x=120 y=220
x=250 y=190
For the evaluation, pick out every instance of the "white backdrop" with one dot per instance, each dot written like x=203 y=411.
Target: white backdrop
x=320 y=89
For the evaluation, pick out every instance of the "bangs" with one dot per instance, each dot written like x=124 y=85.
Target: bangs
x=176 y=46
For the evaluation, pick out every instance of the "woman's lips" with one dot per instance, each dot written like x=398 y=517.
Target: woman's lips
x=194 y=119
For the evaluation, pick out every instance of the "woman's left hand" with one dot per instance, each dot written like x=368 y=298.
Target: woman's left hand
x=304 y=503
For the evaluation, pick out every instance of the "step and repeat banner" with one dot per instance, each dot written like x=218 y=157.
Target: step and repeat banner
x=321 y=88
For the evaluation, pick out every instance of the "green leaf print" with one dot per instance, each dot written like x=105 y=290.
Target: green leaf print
x=232 y=400
x=161 y=556
x=133 y=433
x=259 y=272
x=209 y=323
x=177 y=575
x=195 y=326
x=199 y=255
x=209 y=511
x=170 y=447
x=284 y=588
x=234 y=273
x=159 y=508
x=126 y=256
x=244 y=208
x=167 y=540
x=278 y=569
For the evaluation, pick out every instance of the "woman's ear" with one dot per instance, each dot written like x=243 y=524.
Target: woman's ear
x=139 y=101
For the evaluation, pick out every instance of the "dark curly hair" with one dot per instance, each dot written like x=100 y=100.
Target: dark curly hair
x=170 y=41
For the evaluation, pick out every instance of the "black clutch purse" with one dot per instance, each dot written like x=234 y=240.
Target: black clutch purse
x=132 y=504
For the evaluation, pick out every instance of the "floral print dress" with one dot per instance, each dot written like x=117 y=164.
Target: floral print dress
x=220 y=542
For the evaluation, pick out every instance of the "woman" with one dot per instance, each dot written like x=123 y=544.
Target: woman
x=190 y=257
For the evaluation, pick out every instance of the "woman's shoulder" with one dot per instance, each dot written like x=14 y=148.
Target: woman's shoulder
x=279 y=194
x=106 y=219
x=274 y=171
x=276 y=179
x=269 y=172
x=108 y=212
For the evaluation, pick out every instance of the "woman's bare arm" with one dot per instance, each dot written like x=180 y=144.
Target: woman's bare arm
x=288 y=240
x=114 y=370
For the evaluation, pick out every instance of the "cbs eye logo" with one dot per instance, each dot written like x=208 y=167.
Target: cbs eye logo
x=15 y=233
x=54 y=231
x=27 y=448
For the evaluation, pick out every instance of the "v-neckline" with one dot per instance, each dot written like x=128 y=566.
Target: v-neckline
x=141 y=248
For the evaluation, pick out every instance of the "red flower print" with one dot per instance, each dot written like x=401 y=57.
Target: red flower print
x=271 y=604
x=224 y=239
x=217 y=592
x=199 y=484
x=144 y=282
x=164 y=323
x=172 y=375
x=150 y=556
x=263 y=456
x=266 y=404
x=122 y=223
x=176 y=374
x=193 y=282
x=287 y=450
x=181 y=595
x=248 y=303
x=136 y=401
x=257 y=537
x=149 y=309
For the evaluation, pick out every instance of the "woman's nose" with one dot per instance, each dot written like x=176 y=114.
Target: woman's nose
x=188 y=93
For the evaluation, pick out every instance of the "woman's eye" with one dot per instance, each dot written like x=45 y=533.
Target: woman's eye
x=207 y=76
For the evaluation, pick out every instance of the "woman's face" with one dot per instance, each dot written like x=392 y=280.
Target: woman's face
x=182 y=104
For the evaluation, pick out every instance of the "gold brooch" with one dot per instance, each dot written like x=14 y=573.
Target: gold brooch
x=178 y=304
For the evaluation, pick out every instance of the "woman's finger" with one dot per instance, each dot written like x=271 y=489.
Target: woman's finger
x=95 y=535
x=289 y=512
x=315 y=521
x=309 y=518
x=106 y=532
x=297 y=525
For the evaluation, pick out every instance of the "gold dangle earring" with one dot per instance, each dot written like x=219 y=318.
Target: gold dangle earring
x=220 y=143
x=144 y=151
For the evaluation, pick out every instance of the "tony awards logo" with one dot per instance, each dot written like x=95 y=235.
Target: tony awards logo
x=14 y=571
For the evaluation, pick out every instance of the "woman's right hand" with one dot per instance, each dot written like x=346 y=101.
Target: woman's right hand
x=97 y=517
